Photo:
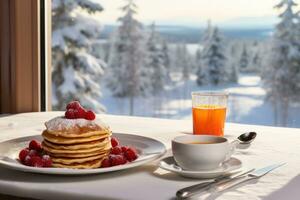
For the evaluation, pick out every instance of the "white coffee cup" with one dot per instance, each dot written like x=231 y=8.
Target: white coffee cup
x=201 y=152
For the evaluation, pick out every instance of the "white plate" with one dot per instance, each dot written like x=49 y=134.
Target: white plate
x=226 y=168
x=149 y=150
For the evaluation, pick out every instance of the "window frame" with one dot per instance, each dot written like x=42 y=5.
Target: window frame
x=46 y=50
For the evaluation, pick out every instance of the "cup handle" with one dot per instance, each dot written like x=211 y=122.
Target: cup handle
x=232 y=147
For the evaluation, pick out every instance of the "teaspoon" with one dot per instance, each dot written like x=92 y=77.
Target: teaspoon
x=246 y=138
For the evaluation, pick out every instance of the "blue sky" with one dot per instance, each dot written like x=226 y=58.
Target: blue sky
x=197 y=12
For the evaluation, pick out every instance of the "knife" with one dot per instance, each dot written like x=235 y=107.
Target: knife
x=225 y=183
x=250 y=176
x=191 y=190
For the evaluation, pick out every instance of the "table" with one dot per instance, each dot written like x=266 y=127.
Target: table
x=272 y=145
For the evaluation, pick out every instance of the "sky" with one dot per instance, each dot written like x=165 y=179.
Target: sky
x=196 y=12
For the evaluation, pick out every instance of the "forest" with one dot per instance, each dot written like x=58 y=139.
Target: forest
x=138 y=69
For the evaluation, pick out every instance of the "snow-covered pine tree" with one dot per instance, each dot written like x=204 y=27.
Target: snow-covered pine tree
x=199 y=69
x=183 y=64
x=256 y=56
x=207 y=33
x=233 y=74
x=183 y=61
x=256 y=61
x=187 y=63
x=155 y=62
x=166 y=59
x=282 y=64
x=214 y=58
x=177 y=60
x=128 y=76
x=76 y=72
x=244 y=59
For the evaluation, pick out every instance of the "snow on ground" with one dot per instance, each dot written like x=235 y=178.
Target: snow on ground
x=246 y=102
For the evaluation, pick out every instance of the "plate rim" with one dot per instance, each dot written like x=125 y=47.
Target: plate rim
x=66 y=171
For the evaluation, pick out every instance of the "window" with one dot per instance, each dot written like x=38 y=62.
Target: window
x=145 y=58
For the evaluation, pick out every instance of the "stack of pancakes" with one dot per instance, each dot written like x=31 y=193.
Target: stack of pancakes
x=76 y=143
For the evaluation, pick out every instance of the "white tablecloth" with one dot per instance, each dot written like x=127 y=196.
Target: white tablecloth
x=272 y=145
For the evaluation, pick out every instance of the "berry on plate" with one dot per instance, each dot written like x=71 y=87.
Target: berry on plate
x=34 y=156
x=116 y=150
x=23 y=153
x=124 y=148
x=131 y=154
x=33 y=152
x=35 y=145
x=47 y=162
x=36 y=161
x=117 y=160
x=106 y=163
x=119 y=155
x=114 y=142
x=27 y=160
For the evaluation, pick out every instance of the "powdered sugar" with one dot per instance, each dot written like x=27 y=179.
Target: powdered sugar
x=62 y=123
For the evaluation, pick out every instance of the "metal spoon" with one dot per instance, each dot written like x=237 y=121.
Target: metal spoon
x=246 y=138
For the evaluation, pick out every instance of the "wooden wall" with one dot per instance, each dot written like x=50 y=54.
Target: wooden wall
x=19 y=56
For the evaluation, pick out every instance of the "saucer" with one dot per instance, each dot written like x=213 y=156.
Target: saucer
x=227 y=168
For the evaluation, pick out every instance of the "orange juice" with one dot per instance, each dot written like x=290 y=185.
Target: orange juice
x=209 y=120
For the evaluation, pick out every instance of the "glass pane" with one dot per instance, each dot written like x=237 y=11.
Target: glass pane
x=144 y=58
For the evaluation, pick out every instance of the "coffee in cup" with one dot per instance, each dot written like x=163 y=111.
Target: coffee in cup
x=201 y=152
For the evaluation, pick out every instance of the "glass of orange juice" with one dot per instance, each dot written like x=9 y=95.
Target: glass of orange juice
x=209 y=112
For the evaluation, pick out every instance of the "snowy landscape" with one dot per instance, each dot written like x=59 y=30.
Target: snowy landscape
x=150 y=70
x=246 y=103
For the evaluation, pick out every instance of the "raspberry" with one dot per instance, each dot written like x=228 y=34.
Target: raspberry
x=47 y=162
x=23 y=153
x=69 y=114
x=76 y=114
x=116 y=150
x=37 y=161
x=73 y=105
x=131 y=154
x=80 y=112
x=117 y=160
x=27 y=160
x=33 y=152
x=35 y=145
x=124 y=148
x=106 y=163
x=90 y=115
x=114 y=142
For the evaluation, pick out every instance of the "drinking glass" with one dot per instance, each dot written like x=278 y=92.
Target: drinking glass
x=209 y=112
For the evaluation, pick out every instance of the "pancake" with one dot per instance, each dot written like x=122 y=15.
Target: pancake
x=85 y=165
x=64 y=140
x=61 y=126
x=71 y=134
x=67 y=161
x=76 y=143
x=77 y=146
x=106 y=146
x=76 y=155
x=85 y=145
